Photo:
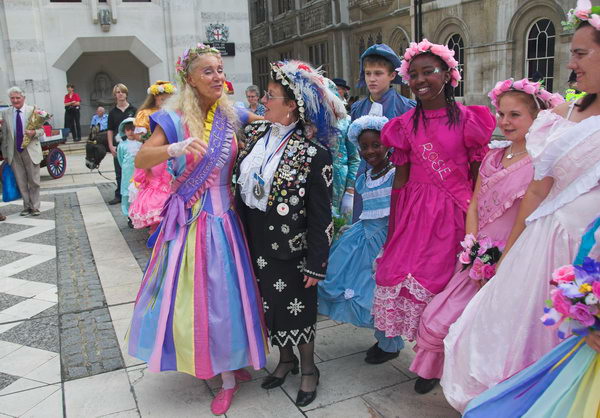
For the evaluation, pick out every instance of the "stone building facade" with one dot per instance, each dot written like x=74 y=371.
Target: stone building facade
x=97 y=43
x=494 y=39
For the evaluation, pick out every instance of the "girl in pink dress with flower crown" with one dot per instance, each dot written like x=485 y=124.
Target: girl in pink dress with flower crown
x=438 y=147
x=505 y=173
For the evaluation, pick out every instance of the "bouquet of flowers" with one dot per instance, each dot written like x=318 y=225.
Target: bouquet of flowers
x=36 y=120
x=574 y=304
x=481 y=256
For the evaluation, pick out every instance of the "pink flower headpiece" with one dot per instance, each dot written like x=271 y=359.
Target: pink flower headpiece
x=540 y=94
x=583 y=12
x=442 y=51
x=183 y=62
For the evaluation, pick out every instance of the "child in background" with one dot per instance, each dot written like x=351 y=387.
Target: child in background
x=149 y=189
x=438 y=147
x=346 y=294
x=505 y=173
x=378 y=72
x=126 y=152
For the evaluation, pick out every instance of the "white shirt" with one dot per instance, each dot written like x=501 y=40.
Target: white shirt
x=263 y=161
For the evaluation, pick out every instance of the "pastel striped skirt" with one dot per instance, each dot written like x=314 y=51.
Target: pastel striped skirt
x=198 y=310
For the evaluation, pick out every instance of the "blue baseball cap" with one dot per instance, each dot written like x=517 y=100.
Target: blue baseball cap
x=384 y=51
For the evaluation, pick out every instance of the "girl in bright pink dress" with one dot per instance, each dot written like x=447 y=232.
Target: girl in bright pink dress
x=150 y=189
x=503 y=178
x=438 y=147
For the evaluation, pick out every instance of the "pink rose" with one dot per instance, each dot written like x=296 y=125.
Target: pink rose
x=476 y=272
x=560 y=303
x=595 y=21
x=582 y=14
x=468 y=241
x=529 y=89
x=519 y=84
x=596 y=289
x=464 y=258
x=488 y=271
x=564 y=274
x=506 y=85
x=485 y=244
x=424 y=45
x=581 y=312
x=439 y=50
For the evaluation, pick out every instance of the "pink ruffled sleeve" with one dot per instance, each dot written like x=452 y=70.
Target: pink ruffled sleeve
x=478 y=128
x=393 y=135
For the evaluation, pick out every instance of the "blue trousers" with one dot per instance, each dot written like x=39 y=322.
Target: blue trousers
x=388 y=344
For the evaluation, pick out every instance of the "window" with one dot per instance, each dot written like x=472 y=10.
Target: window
x=456 y=43
x=284 y=6
x=286 y=55
x=263 y=73
x=260 y=11
x=539 y=64
x=318 y=56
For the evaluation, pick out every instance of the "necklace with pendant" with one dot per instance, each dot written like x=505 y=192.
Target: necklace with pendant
x=511 y=155
x=375 y=176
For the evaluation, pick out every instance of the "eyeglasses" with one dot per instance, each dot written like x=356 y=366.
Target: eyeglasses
x=269 y=97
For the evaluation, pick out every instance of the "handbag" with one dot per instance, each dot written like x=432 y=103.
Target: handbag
x=10 y=191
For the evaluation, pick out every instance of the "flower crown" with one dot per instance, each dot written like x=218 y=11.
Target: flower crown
x=183 y=62
x=442 y=51
x=583 y=12
x=161 y=87
x=540 y=94
x=317 y=104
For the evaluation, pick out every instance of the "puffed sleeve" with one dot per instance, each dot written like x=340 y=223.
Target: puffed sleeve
x=543 y=156
x=318 y=215
x=394 y=134
x=479 y=125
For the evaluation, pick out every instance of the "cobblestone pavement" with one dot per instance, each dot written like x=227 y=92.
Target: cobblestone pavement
x=68 y=280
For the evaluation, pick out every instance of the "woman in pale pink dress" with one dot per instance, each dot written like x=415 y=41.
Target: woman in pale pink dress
x=500 y=332
x=503 y=178
x=438 y=147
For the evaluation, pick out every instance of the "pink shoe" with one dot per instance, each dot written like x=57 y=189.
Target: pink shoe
x=242 y=375
x=223 y=400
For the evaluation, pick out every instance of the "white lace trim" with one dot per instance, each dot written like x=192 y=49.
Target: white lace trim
x=398 y=315
x=378 y=182
x=582 y=185
x=375 y=213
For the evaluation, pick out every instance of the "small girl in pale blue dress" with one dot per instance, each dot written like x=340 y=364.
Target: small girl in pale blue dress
x=126 y=152
x=346 y=294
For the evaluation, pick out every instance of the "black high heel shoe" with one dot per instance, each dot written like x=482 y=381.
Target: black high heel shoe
x=271 y=382
x=306 y=398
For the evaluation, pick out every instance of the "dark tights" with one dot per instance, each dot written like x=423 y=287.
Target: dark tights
x=307 y=364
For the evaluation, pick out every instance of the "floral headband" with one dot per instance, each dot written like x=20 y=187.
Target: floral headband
x=161 y=87
x=539 y=93
x=583 y=12
x=183 y=62
x=441 y=51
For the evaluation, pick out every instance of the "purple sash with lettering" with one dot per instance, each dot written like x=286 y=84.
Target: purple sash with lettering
x=174 y=212
x=442 y=170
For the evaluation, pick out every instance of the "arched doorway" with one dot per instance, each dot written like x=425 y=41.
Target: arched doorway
x=94 y=75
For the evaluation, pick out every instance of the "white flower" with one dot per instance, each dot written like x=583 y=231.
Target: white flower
x=294 y=200
x=275 y=246
x=312 y=151
x=295 y=307
x=261 y=262
x=279 y=285
x=285 y=229
x=348 y=294
x=591 y=299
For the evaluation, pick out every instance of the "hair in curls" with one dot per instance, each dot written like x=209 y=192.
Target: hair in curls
x=452 y=109
x=589 y=98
